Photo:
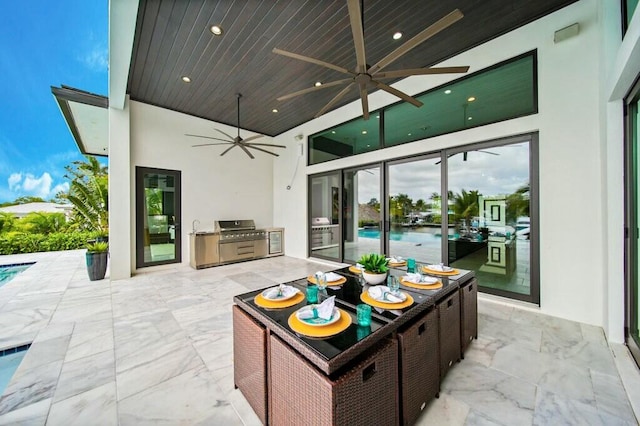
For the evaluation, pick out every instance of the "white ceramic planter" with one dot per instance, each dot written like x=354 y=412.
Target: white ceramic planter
x=374 y=279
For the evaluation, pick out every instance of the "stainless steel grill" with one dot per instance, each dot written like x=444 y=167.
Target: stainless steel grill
x=240 y=240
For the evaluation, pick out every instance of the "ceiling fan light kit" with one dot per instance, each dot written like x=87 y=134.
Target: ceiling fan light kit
x=238 y=141
x=364 y=76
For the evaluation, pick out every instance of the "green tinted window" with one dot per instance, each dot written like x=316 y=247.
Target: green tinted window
x=506 y=90
x=497 y=94
x=355 y=137
x=630 y=8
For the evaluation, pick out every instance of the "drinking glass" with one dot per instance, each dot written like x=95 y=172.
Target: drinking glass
x=393 y=284
x=411 y=265
x=321 y=279
x=312 y=294
x=363 y=314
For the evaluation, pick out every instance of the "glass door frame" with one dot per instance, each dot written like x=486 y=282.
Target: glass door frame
x=139 y=211
x=631 y=224
x=534 y=261
x=310 y=179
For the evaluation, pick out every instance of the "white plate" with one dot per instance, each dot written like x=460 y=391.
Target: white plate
x=437 y=268
x=278 y=298
x=319 y=322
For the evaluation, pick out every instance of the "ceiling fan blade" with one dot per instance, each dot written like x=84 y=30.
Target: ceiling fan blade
x=333 y=101
x=420 y=71
x=227 y=135
x=265 y=144
x=244 y=148
x=228 y=149
x=211 y=144
x=488 y=152
x=397 y=93
x=311 y=60
x=355 y=18
x=425 y=34
x=263 y=150
x=208 y=137
x=250 y=138
x=365 y=101
x=313 y=89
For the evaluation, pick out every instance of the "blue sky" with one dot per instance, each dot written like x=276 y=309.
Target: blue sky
x=45 y=43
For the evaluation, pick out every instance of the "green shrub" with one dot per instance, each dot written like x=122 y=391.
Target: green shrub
x=18 y=242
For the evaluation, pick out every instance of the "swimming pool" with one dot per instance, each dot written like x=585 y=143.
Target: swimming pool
x=10 y=359
x=7 y=272
x=406 y=236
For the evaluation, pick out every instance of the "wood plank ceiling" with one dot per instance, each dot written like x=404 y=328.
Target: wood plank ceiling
x=173 y=39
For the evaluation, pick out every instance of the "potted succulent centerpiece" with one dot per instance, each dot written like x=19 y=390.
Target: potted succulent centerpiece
x=96 y=258
x=375 y=267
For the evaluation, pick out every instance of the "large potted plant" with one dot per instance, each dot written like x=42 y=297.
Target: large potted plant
x=96 y=258
x=375 y=267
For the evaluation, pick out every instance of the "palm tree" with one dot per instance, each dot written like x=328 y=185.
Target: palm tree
x=465 y=205
x=89 y=194
x=44 y=223
x=518 y=204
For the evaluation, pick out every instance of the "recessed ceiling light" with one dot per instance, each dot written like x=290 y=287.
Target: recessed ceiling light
x=274 y=110
x=216 y=30
x=470 y=118
x=364 y=132
x=448 y=91
x=397 y=35
x=186 y=79
x=378 y=116
x=368 y=146
x=333 y=132
x=408 y=134
x=318 y=83
x=471 y=99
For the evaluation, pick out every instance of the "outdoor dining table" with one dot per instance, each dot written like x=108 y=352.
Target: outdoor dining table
x=352 y=377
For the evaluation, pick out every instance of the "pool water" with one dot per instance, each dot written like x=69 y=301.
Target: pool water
x=7 y=272
x=10 y=359
x=407 y=236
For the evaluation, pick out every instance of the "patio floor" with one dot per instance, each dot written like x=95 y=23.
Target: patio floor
x=157 y=349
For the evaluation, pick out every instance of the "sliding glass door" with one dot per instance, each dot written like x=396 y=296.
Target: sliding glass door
x=362 y=231
x=632 y=223
x=158 y=217
x=325 y=236
x=490 y=216
x=415 y=208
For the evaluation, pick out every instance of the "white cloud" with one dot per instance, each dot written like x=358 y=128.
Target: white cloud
x=14 y=181
x=38 y=186
x=61 y=187
x=97 y=59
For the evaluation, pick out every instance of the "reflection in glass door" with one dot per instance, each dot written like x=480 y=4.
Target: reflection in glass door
x=414 y=206
x=361 y=212
x=324 y=208
x=489 y=215
x=158 y=216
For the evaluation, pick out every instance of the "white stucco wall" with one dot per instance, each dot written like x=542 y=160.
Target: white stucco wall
x=570 y=124
x=213 y=187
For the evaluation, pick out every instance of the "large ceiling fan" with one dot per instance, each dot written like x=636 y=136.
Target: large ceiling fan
x=364 y=75
x=237 y=141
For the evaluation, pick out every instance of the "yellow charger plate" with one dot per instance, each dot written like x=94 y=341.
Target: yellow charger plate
x=398 y=264
x=371 y=301
x=320 y=331
x=433 y=286
x=273 y=304
x=431 y=271
x=341 y=281
x=355 y=270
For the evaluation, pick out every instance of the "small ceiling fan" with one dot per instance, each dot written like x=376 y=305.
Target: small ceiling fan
x=364 y=75
x=238 y=141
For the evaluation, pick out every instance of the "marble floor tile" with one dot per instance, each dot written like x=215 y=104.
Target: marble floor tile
x=157 y=348
x=84 y=374
x=96 y=406
x=30 y=386
x=492 y=393
x=445 y=411
x=32 y=415
x=167 y=402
